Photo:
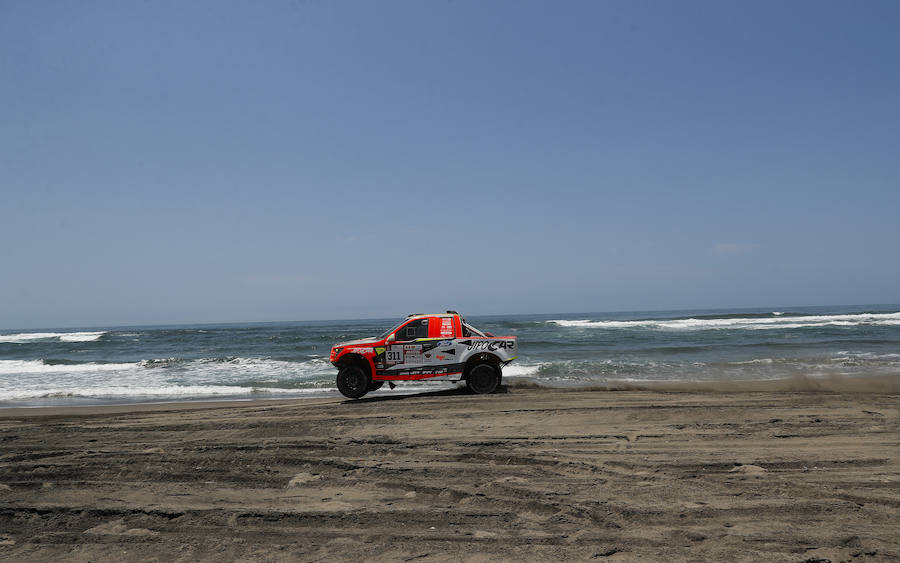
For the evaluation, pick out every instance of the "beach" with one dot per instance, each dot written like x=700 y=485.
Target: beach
x=798 y=470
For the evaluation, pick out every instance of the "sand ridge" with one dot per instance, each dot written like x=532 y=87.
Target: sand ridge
x=530 y=474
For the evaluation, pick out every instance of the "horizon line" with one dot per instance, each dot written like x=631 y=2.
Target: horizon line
x=775 y=308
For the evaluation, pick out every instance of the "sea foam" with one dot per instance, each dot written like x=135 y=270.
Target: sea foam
x=521 y=370
x=154 y=392
x=18 y=367
x=778 y=322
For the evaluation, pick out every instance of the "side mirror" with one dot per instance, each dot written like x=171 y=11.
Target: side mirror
x=391 y=338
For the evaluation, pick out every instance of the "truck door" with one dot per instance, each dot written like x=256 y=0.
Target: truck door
x=405 y=352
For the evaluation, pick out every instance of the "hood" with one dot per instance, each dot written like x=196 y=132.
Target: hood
x=370 y=340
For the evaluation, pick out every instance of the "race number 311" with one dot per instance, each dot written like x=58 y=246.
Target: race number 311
x=394 y=354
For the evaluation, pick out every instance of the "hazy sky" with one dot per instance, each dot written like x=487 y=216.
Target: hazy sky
x=165 y=162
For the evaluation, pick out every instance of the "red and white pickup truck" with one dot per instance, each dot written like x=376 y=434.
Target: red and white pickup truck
x=435 y=347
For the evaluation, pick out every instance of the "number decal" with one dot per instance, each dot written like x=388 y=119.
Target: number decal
x=394 y=355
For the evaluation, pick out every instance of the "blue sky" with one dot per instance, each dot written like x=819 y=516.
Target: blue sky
x=165 y=162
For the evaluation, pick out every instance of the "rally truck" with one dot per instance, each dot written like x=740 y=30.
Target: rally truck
x=434 y=347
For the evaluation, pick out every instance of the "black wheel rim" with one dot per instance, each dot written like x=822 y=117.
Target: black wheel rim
x=482 y=379
x=354 y=381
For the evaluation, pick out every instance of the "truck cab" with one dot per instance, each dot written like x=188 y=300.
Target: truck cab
x=424 y=347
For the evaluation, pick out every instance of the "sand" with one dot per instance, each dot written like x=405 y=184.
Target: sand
x=796 y=473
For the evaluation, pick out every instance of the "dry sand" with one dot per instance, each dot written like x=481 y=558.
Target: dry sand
x=700 y=473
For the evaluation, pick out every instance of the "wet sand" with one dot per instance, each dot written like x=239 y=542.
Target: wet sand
x=796 y=472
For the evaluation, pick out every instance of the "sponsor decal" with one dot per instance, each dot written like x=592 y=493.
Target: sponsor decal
x=412 y=346
x=446 y=343
x=446 y=326
x=359 y=350
x=399 y=373
x=413 y=358
x=490 y=345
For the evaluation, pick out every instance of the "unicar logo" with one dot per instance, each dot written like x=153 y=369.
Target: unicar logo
x=489 y=345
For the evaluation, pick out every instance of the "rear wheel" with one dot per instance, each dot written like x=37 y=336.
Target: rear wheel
x=352 y=382
x=483 y=379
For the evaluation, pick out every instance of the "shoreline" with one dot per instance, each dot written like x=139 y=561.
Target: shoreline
x=796 y=384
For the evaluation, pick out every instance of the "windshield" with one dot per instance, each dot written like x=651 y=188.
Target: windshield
x=392 y=329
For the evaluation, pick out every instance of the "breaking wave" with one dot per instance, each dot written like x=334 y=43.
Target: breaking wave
x=777 y=321
x=261 y=367
x=52 y=336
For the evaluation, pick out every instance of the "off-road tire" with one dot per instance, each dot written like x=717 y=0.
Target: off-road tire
x=483 y=379
x=353 y=382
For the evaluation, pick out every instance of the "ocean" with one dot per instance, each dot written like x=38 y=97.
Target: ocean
x=100 y=365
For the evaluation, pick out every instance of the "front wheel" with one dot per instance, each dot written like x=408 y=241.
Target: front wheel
x=483 y=379
x=352 y=382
